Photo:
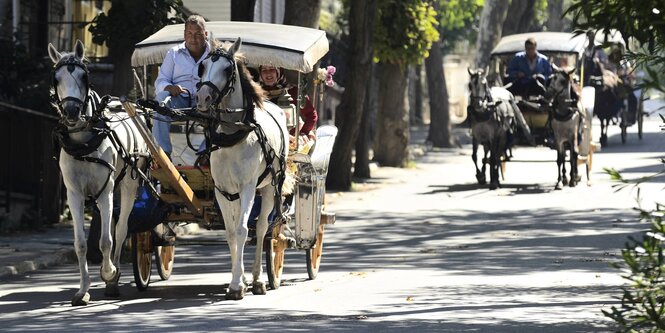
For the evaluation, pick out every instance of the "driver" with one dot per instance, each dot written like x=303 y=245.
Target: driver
x=176 y=83
x=528 y=71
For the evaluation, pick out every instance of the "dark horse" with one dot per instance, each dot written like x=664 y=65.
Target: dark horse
x=567 y=121
x=607 y=100
x=493 y=115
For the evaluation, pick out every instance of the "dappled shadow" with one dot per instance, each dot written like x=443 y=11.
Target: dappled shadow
x=512 y=188
x=633 y=143
x=481 y=242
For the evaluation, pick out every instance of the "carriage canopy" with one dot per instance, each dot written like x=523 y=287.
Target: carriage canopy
x=290 y=47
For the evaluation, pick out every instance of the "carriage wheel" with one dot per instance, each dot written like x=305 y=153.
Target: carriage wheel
x=640 y=117
x=142 y=255
x=274 y=248
x=314 y=255
x=164 y=256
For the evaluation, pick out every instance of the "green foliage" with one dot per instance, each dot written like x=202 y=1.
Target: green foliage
x=130 y=21
x=458 y=20
x=24 y=80
x=404 y=31
x=642 y=306
x=639 y=20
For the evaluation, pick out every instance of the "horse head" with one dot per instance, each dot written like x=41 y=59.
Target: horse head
x=69 y=82
x=218 y=73
x=559 y=84
x=478 y=88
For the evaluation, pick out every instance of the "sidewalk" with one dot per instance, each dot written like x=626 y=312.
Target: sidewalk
x=24 y=252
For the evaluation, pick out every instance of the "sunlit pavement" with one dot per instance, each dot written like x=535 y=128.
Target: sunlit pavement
x=413 y=250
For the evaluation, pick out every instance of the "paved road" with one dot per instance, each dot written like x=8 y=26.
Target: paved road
x=414 y=250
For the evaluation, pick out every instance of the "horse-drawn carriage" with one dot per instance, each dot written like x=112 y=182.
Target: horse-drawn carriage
x=186 y=193
x=291 y=48
x=565 y=52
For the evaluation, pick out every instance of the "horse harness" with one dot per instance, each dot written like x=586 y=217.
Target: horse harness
x=481 y=115
x=240 y=122
x=571 y=110
x=95 y=124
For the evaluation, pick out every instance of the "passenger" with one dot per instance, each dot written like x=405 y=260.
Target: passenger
x=176 y=83
x=274 y=83
x=529 y=71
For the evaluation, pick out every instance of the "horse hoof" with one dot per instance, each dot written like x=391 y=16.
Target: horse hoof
x=259 y=288
x=81 y=300
x=493 y=187
x=557 y=187
x=113 y=278
x=481 y=179
x=235 y=295
x=564 y=182
x=112 y=290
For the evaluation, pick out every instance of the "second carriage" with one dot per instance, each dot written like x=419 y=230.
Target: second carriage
x=186 y=191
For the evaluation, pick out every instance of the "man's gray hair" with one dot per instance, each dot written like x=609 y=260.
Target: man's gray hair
x=198 y=20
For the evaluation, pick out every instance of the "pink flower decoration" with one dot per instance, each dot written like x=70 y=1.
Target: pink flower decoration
x=330 y=71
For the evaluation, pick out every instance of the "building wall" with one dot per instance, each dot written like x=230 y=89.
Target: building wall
x=219 y=10
x=269 y=11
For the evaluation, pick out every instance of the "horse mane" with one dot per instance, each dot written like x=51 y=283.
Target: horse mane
x=250 y=89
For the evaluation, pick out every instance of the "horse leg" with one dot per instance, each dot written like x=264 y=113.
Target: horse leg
x=564 y=176
x=76 y=206
x=237 y=285
x=474 y=156
x=560 y=160
x=267 y=205
x=108 y=270
x=484 y=164
x=573 y=167
x=494 y=163
x=128 y=191
x=604 y=123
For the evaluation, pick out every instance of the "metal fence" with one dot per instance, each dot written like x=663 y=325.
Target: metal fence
x=31 y=190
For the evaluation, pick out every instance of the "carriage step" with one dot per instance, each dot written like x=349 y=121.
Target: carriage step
x=327 y=217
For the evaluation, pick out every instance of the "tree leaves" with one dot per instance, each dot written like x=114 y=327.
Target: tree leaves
x=404 y=31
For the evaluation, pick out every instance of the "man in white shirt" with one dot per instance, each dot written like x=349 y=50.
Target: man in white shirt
x=178 y=75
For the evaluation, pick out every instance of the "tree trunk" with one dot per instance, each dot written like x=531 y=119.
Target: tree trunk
x=242 y=10
x=361 y=21
x=361 y=166
x=523 y=12
x=439 y=127
x=123 y=79
x=418 y=112
x=554 y=13
x=490 y=29
x=304 y=13
x=392 y=137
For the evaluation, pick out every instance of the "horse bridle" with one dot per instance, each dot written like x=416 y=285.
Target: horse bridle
x=71 y=62
x=231 y=74
x=479 y=99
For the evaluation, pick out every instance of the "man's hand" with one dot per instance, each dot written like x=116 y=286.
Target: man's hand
x=520 y=75
x=174 y=89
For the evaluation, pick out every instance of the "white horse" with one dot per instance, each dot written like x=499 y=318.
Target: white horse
x=250 y=145
x=493 y=115
x=567 y=118
x=98 y=149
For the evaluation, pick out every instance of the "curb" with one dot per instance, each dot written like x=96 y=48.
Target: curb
x=68 y=256
x=62 y=256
